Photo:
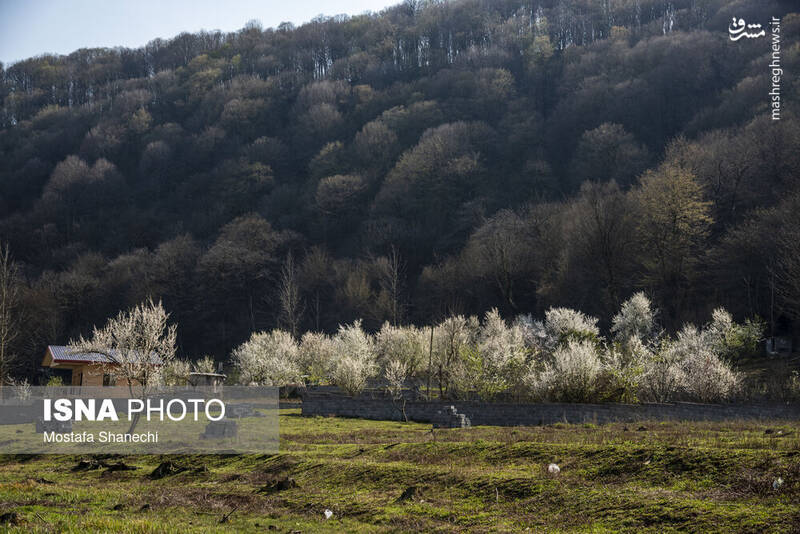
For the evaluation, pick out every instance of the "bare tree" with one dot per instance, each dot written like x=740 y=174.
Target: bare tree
x=137 y=345
x=396 y=374
x=501 y=253
x=392 y=270
x=316 y=274
x=9 y=318
x=787 y=274
x=604 y=231
x=292 y=307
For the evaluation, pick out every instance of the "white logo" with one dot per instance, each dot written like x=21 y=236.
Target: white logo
x=737 y=30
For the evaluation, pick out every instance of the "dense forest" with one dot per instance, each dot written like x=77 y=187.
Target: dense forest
x=438 y=157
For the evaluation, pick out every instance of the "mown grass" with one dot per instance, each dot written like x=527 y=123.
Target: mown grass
x=651 y=477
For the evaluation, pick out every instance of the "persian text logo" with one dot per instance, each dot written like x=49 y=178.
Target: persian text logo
x=739 y=29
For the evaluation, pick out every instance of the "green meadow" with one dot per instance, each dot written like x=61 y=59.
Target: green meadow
x=381 y=476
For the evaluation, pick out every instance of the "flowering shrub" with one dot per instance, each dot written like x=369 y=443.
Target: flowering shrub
x=623 y=365
x=730 y=340
x=635 y=319
x=316 y=355
x=176 y=372
x=689 y=366
x=707 y=377
x=532 y=331
x=204 y=365
x=664 y=376
x=269 y=359
x=404 y=344
x=562 y=358
x=355 y=360
x=571 y=374
x=502 y=363
x=454 y=343
x=562 y=325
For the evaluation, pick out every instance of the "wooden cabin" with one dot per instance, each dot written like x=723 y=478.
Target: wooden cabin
x=79 y=369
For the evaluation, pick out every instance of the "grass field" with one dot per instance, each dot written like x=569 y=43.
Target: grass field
x=653 y=477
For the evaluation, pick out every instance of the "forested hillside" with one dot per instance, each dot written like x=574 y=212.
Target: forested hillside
x=438 y=157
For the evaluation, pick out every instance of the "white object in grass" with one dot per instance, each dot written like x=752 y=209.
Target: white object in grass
x=328 y=514
x=553 y=469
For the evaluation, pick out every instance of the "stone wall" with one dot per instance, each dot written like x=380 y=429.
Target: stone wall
x=499 y=414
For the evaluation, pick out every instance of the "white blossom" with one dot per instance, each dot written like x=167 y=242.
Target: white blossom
x=563 y=324
x=268 y=358
x=571 y=375
x=316 y=355
x=406 y=344
x=176 y=372
x=502 y=352
x=395 y=374
x=204 y=365
x=635 y=319
x=137 y=345
x=355 y=360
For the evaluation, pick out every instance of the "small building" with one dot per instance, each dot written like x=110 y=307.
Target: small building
x=80 y=369
x=207 y=380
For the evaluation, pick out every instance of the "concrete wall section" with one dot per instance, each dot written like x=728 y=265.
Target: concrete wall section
x=328 y=404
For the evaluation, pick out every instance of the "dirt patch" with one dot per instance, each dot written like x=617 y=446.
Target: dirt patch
x=408 y=494
x=92 y=464
x=281 y=484
x=166 y=469
x=10 y=518
x=169 y=468
x=120 y=466
x=279 y=464
x=89 y=464
x=205 y=500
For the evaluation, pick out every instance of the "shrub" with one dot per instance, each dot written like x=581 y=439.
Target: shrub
x=623 y=366
x=55 y=382
x=316 y=355
x=562 y=325
x=707 y=377
x=355 y=360
x=689 y=366
x=710 y=379
x=571 y=375
x=21 y=389
x=454 y=340
x=532 y=331
x=176 y=372
x=630 y=356
x=663 y=377
x=502 y=356
x=205 y=365
x=395 y=374
x=405 y=344
x=731 y=340
x=269 y=359
x=635 y=319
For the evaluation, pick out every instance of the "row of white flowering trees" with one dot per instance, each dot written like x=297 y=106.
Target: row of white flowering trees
x=562 y=358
